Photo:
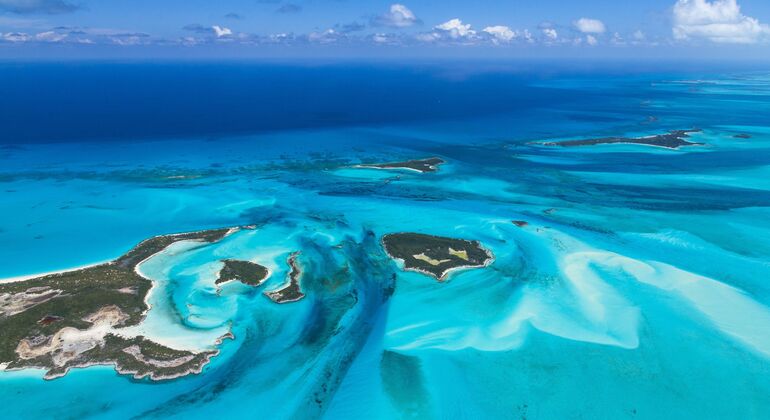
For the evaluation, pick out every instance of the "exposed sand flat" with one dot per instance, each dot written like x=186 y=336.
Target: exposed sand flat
x=429 y=260
x=136 y=352
x=14 y=303
x=459 y=254
x=68 y=343
x=110 y=315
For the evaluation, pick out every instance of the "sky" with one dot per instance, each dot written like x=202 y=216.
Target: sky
x=716 y=29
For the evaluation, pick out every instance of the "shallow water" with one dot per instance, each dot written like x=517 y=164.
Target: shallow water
x=637 y=289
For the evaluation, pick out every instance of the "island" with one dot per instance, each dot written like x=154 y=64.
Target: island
x=435 y=256
x=291 y=291
x=671 y=140
x=742 y=136
x=74 y=318
x=246 y=272
x=419 y=165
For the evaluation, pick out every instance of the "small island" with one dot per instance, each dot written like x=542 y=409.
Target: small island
x=436 y=256
x=291 y=291
x=742 y=136
x=74 y=318
x=671 y=140
x=246 y=272
x=419 y=165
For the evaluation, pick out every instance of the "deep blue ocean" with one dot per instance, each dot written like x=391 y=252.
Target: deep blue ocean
x=637 y=289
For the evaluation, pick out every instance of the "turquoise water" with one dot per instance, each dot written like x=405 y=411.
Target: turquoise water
x=638 y=289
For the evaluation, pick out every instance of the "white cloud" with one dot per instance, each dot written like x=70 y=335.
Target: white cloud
x=189 y=41
x=528 y=36
x=500 y=33
x=591 y=40
x=15 y=37
x=279 y=38
x=456 y=29
x=221 y=31
x=639 y=35
x=127 y=40
x=717 y=21
x=47 y=36
x=550 y=34
x=428 y=37
x=50 y=36
x=590 y=26
x=399 y=16
x=324 y=37
x=381 y=38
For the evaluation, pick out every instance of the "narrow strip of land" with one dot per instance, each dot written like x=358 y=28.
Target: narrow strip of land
x=671 y=140
x=419 y=165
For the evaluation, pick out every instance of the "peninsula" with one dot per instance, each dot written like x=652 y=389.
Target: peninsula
x=419 y=165
x=671 y=140
x=74 y=318
x=436 y=256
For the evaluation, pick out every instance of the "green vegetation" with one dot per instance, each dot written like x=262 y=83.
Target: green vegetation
x=421 y=165
x=35 y=310
x=246 y=272
x=434 y=255
x=158 y=243
x=292 y=291
x=670 y=140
